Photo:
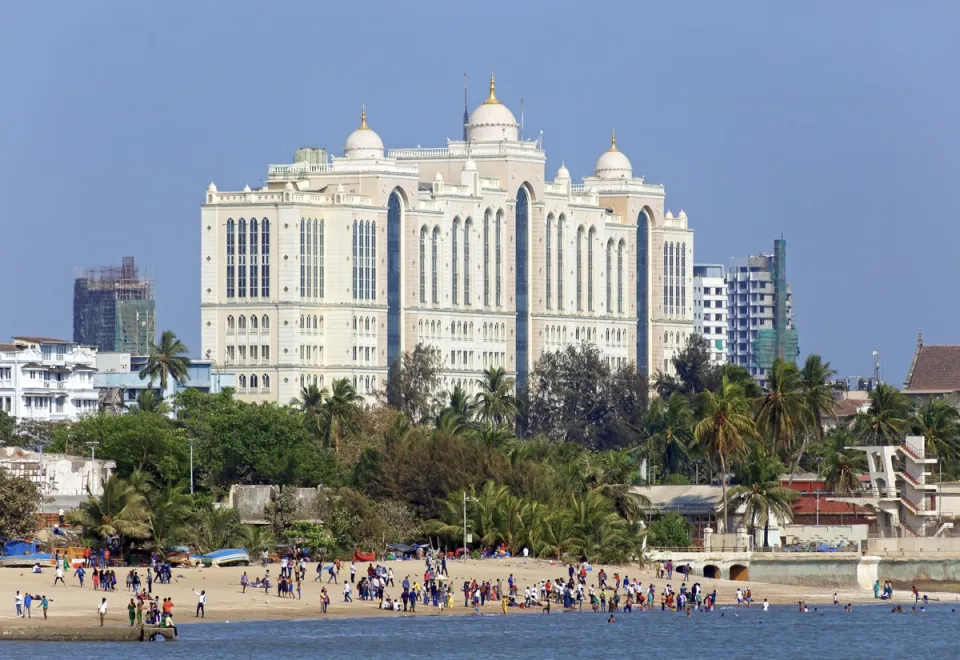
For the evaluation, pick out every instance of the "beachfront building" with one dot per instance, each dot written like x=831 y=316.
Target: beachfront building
x=337 y=266
x=710 y=309
x=47 y=379
x=934 y=373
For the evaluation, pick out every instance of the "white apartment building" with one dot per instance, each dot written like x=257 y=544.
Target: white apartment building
x=47 y=379
x=337 y=266
x=710 y=309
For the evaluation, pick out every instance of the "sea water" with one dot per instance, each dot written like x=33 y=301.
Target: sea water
x=782 y=632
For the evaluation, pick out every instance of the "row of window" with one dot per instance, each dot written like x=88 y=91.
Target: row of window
x=248 y=354
x=366 y=355
x=591 y=235
x=311 y=324
x=248 y=258
x=366 y=325
x=460 y=264
x=364 y=259
x=240 y=323
x=252 y=384
x=311 y=354
x=311 y=258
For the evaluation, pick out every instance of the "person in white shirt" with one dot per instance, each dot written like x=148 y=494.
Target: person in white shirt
x=739 y=597
x=766 y=605
x=102 y=611
x=19 y=601
x=346 y=593
x=201 y=604
x=59 y=577
x=526 y=553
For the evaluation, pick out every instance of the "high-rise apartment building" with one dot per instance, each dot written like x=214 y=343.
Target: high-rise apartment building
x=114 y=309
x=710 y=309
x=760 y=312
x=336 y=267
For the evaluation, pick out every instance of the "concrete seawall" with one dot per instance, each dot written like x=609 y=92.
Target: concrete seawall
x=60 y=633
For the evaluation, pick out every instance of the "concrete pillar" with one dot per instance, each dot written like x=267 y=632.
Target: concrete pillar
x=707 y=538
x=743 y=541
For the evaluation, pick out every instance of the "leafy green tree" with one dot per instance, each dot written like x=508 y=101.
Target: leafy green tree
x=120 y=511
x=694 y=370
x=339 y=411
x=496 y=404
x=724 y=428
x=8 y=426
x=939 y=423
x=216 y=529
x=670 y=426
x=149 y=402
x=817 y=400
x=840 y=466
x=281 y=511
x=413 y=382
x=256 y=538
x=167 y=360
x=886 y=420
x=170 y=515
x=669 y=530
x=21 y=500
x=760 y=494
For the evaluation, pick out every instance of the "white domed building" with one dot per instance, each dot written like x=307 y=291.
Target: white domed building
x=341 y=264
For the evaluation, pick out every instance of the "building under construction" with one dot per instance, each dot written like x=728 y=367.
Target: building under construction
x=114 y=309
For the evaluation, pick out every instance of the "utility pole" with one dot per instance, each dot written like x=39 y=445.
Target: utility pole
x=191 y=466
x=464 y=525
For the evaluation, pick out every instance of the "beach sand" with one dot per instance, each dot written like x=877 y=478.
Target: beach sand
x=225 y=602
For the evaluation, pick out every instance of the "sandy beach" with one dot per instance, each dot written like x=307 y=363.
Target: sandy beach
x=226 y=602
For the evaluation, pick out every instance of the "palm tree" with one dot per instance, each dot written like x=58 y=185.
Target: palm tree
x=256 y=538
x=727 y=421
x=817 y=400
x=169 y=516
x=559 y=536
x=217 y=528
x=760 y=494
x=339 y=410
x=841 y=465
x=120 y=511
x=496 y=403
x=670 y=425
x=938 y=422
x=885 y=420
x=149 y=402
x=167 y=359
x=781 y=413
x=311 y=398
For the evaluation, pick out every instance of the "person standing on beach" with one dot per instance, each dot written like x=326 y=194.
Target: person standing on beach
x=18 y=599
x=132 y=612
x=102 y=611
x=80 y=574
x=59 y=577
x=201 y=603
x=27 y=602
x=244 y=581
x=44 y=604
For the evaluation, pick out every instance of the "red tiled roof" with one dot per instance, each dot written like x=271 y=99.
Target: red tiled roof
x=808 y=506
x=9 y=347
x=43 y=340
x=847 y=408
x=934 y=369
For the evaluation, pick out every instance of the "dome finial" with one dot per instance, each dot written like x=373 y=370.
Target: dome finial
x=363 y=118
x=613 y=140
x=493 y=87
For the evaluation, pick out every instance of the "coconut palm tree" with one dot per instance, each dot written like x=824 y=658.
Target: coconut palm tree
x=780 y=413
x=938 y=422
x=170 y=514
x=256 y=538
x=760 y=494
x=149 y=402
x=167 y=360
x=885 y=421
x=559 y=536
x=817 y=400
x=339 y=411
x=670 y=425
x=120 y=511
x=496 y=403
x=724 y=428
x=217 y=528
x=841 y=466
x=311 y=398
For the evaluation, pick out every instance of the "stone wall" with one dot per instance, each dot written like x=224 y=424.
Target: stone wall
x=249 y=501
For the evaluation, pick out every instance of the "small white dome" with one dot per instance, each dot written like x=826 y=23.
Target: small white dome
x=492 y=121
x=438 y=177
x=613 y=163
x=289 y=186
x=563 y=172
x=469 y=166
x=682 y=215
x=246 y=188
x=212 y=187
x=363 y=142
x=340 y=188
x=668 y=214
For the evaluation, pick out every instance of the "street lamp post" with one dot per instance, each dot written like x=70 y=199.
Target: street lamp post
x=472 y=499
x=93 y=465
x=191 y=466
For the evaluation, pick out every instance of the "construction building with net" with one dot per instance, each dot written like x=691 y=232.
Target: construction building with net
x=114 y=309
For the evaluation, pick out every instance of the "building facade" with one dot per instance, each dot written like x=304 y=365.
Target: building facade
x=335 y=268
x=47 y=379
x=114 y=309
x=118 y=380
x=760 y=324
x=710 y=309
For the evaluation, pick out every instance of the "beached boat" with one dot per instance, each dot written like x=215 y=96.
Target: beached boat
x=26 y=561
x=229 y=557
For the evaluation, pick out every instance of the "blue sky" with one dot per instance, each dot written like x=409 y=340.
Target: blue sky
x=833 y=123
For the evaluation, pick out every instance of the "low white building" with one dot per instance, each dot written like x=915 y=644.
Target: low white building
x=47 y=379
x=59 y=476
x=710 y=312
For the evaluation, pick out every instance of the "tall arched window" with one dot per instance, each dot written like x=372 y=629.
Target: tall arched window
x=591 y=239
x=549 y=261
x=356 y=258
x=265 y=382
x=394 y=259
x=666 y=278
x=467 y=229
x=265 y=322
x=318 y=265
x=672 y=278
x=498 y=263
x=643 y=236
x=435 y=263
x=306 y=258
x=254 y=267
x=579 y=272
x=253 y=381
x=231 y=238
x=231 y=324
x=364 y=259
x=242 y=258
x=372 y=260
x=560 y=223
x=423 y=265
x=682 y=274
x=242 y=323
x=521 y=259
x=486 y=258
x=264 y=258
x=610 y=276
x=243 y=383
x=253 y=322
x=620 y=248
x=454 y=263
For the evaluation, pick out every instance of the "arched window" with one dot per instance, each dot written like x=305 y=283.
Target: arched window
x=467 y=229
x=318 y=266
x=579 y=273
x=435 y=265
x=242 y=258
x=231 y=239
x=243 y=382
x=253 y=322
x=265 y=382
x=264 y=258
x=682 y=274
x=549 y=261
x=591 y=236
x=486 y=258
x=253 y=381
x=423 y=265
x=303 y=259
x=642 y=279
x=560 y=223
x=265 y=322
x=454 y=263
x=254 y=239
x=610 y=276
x=620 y=248
x=242 y=322
x=230 y=323
x=666 y=278
x=498 y=247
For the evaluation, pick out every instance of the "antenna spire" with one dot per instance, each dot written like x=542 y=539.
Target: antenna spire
x=493 y=86
x=363 y=118
x=466 y=117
